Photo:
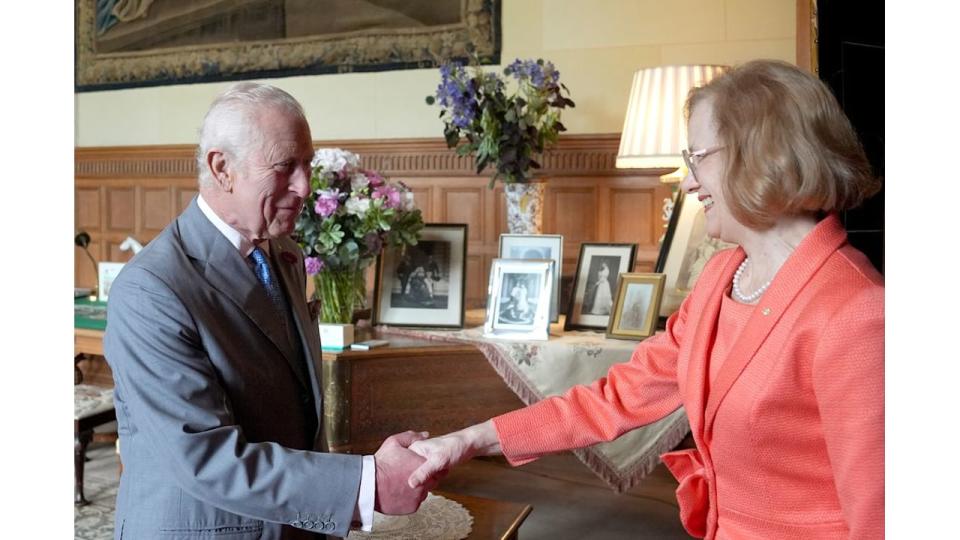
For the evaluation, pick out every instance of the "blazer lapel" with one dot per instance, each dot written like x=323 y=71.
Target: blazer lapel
x=802 y=264
x=227 y=272
x=698 y=373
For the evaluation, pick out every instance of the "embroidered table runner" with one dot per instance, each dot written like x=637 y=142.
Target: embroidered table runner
x=538 y=369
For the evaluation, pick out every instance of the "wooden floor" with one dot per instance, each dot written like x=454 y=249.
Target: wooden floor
x=570 y=502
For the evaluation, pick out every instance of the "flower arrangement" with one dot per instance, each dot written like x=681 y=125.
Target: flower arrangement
x=349 y=216
x=505 y=130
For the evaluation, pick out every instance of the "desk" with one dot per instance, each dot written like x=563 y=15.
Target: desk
x=87 y=341
x=492 y=519
x=409 y=384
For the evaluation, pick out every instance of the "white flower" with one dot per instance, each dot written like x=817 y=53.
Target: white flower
x=359 y=181
x=334 y=159
x=358 y=206
x=408 y=202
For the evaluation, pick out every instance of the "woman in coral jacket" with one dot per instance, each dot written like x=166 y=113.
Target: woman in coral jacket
x=776 y=354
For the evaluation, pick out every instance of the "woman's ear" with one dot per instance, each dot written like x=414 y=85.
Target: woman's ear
x=217 y=162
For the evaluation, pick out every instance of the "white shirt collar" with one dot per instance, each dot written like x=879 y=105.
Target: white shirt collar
x=233 y=236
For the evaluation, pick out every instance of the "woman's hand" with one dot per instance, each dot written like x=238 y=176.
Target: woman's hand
x=442 y=453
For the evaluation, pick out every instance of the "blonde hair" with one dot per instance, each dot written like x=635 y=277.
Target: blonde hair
x=789 y=148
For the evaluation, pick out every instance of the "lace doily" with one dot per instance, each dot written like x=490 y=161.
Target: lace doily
x=438 y=518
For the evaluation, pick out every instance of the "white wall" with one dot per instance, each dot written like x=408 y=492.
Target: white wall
x=596 y=44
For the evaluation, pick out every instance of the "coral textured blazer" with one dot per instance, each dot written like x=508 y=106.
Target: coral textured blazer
x=789 y=435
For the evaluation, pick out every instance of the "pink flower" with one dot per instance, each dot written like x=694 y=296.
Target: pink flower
x=375 y=179
x=391 y=195
x=327 y=203
x=313 y=265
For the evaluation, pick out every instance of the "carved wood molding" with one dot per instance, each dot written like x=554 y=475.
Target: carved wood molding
x=574 y=155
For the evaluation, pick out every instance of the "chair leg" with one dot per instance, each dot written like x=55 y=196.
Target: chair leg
x=80 y=443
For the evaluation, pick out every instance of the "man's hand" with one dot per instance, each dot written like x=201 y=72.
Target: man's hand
x=394 y=465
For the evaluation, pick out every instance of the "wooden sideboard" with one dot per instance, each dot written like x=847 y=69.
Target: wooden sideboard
x=410 y=384
x=137 y=191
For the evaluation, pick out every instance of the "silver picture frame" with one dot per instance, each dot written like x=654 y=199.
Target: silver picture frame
x=518 y=299
x=538 y=246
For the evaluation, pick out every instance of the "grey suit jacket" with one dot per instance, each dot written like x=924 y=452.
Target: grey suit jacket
x=217 y=408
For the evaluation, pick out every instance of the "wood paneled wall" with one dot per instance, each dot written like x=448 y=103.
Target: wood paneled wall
x=137 y=191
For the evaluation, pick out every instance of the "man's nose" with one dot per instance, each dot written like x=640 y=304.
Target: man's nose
x=300 y=182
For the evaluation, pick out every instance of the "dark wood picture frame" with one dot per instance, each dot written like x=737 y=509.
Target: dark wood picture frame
x=417 y=308
x=683 y=242
x=580 y=321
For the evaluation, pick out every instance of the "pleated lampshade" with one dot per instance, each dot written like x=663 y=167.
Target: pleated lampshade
x=654 y=130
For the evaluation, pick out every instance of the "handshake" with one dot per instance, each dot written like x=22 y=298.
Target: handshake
x=410 y=464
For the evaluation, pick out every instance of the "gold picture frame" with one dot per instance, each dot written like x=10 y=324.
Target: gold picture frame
x=636 y=309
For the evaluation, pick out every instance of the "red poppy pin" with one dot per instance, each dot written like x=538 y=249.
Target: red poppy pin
x=289 y=257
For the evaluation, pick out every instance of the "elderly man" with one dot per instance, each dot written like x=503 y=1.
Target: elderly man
x=216 y=358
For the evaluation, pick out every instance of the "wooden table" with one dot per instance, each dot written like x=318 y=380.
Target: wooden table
x=410 y=384
x=492 y=519
x=87 y=341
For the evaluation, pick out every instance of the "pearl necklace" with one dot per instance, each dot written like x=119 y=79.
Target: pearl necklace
x=746 y=298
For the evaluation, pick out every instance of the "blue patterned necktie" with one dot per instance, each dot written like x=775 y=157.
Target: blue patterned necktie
x=262 y=269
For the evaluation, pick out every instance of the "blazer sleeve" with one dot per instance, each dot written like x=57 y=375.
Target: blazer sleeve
x=848 y=378
x=632 y=394
x=170 y=391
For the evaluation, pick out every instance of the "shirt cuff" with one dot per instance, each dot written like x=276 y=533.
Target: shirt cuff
x=368 y=489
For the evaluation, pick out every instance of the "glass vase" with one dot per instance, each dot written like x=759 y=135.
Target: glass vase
x=340 y=292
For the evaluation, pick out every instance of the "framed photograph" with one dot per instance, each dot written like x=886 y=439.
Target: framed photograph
x=538 y=246
x=107 y=272
x=686 y=249
x=636 y=310
x=423 y=285
x=598 y=267
x=518 y=304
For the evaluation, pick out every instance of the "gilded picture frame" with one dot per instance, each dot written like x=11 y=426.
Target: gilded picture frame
x=637 y=307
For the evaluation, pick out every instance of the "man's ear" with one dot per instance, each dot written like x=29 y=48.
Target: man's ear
x=219 y=170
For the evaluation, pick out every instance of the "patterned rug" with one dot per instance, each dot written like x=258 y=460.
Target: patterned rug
x=100 y=481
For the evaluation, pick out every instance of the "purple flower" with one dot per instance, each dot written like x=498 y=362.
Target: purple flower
x=313 y=265
x=327 y=203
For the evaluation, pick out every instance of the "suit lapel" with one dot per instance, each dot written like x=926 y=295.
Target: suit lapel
x=227 y=272
x=798 y=269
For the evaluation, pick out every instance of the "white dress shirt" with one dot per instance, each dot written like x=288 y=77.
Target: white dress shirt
x=368 y=476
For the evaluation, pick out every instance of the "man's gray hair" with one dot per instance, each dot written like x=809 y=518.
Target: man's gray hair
x=229 y=123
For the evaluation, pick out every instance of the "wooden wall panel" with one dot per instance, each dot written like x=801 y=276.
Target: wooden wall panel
x=465 y=205
x=88 y=208
x=121 y=209
x=136 y=191
x=157 y=209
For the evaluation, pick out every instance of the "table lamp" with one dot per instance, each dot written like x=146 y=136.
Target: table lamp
x=654 y=128
x=82 y=240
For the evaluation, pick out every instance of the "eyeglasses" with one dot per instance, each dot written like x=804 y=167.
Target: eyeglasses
x=691 y=159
